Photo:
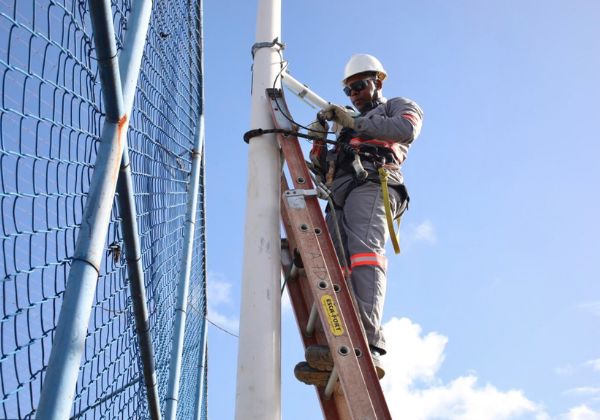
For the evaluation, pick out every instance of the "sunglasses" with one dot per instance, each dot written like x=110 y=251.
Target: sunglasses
x=356 y=86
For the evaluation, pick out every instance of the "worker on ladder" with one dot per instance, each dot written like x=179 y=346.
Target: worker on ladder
x=363 y=173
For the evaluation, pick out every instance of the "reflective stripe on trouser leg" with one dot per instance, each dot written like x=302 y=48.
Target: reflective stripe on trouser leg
x=368 y=258
x=363 y=228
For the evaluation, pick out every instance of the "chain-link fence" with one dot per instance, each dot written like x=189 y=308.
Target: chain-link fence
x=51 y=116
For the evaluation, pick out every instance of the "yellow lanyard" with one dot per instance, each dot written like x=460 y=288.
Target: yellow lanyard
x=383 y=177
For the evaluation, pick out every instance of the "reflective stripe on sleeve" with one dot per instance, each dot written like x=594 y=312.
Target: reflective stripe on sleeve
x=368 y=258
x=415 y=122
x=410 y=117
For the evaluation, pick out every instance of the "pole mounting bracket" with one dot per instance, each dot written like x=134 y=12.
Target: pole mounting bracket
x=259 y=45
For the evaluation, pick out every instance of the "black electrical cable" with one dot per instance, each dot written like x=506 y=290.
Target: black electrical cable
x=284 y=65
x=222 y=328
x=259 y=131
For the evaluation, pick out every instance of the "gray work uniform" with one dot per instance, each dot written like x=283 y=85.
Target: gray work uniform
x=360 y=211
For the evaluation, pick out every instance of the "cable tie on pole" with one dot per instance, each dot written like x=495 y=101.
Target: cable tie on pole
x=259 y=45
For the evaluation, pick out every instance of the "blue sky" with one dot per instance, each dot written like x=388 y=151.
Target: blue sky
x=493 y=308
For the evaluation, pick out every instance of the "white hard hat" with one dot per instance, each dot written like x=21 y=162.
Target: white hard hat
x=360 y=63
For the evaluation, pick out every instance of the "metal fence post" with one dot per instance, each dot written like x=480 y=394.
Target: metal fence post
x=129 y=66
x=56 y=398
x=183 y=285
x=184 y=278
x=200 y=403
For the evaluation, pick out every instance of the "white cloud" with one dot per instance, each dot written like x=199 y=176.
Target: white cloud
x=591 y=307
x=595 y=364
x=570 y=370
x=415 y=358
x=414 y=391
x=230 y=324
x=581 y=412
x=218 y=292
x=566 y=370
x=424 y=232
x=584 y=391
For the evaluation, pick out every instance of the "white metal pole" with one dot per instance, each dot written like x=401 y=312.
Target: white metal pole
x=258 y=392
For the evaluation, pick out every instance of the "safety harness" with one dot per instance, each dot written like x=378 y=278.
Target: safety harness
x=351 y=151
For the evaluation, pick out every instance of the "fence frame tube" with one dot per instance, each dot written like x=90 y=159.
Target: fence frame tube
x=202 y=359
x=199 y=403
x=172 y=397
x=60 y=380
x=129 y=68
x=184 y=283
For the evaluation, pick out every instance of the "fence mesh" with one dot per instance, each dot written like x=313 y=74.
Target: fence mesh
x=51 y=115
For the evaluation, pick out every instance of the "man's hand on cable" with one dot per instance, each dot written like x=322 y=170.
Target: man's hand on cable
x=317 y=154
x=339 y=114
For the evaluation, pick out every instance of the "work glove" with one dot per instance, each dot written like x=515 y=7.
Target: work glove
x=319 y=150
x=338 y=114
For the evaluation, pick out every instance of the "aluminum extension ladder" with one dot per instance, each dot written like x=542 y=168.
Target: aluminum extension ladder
x=318 y=289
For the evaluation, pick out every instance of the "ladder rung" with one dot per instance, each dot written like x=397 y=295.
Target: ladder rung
x=312 y=320
x=292 y=273
x=331 y=383
x=294 y=265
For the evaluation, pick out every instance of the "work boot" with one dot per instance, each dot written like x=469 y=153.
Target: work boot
x=375 y=355
x=311 y=376
x=319 y=357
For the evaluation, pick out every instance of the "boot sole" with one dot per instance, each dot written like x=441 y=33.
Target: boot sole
x=319 y=357
x=308 y=375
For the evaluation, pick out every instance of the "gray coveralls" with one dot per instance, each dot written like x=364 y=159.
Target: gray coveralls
x=360 y=210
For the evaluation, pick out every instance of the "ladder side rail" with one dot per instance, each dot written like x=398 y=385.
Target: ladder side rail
x=334 y=408
x=346 y=302
x=339 y=335
x=329 y=407
x=366 y=363
x=302 y=180
x=299 y=289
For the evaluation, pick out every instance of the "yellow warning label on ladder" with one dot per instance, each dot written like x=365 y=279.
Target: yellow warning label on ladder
x=333 y=315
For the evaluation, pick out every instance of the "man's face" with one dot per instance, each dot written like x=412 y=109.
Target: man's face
x=361 y=94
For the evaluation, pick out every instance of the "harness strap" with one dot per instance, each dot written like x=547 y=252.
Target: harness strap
x=383 y=177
